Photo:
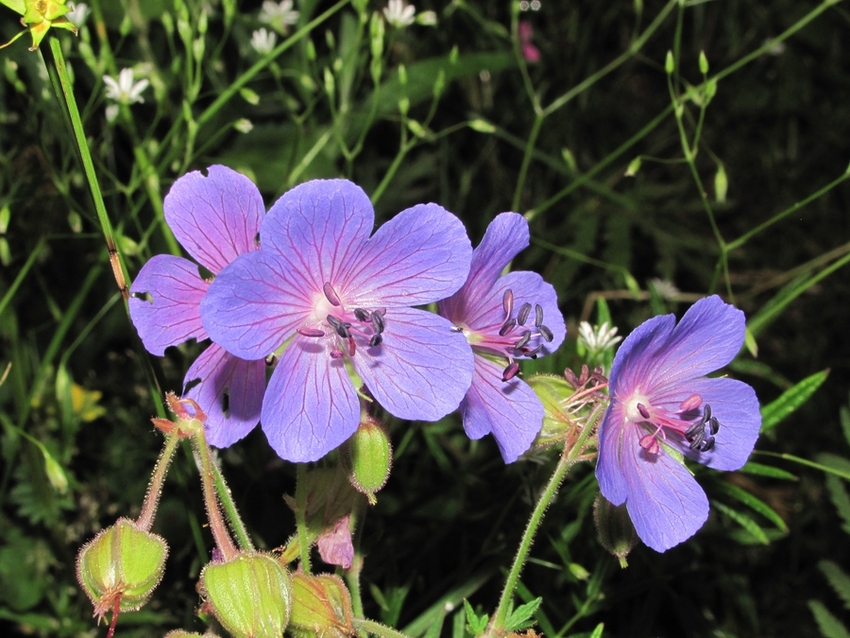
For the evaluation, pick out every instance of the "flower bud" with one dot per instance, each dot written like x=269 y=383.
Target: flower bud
x=122 y=563
x=369 y=458
x=321 y=606
x=614 y=527
x=553 y=393
x=249 y=595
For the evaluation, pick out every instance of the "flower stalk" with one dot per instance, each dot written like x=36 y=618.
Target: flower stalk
x=569 y=457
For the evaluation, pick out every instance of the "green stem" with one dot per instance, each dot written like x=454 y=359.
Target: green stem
x=526 y=159
x=565 y=463
x=377 y=628
x=301 y=515
x=225 y=498
x=64 y=90
x=732 y=245
x=145 y=520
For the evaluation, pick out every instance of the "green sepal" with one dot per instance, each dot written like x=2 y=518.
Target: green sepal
x=321 y=606
x=250 y=595
x=121 y=562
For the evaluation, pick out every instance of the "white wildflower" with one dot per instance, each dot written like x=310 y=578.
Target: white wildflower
x=598 y=338
x=263 y=41
x=399 y=14
x=77 y=16
x=124 y=90
x=664 y=288
x=279 y=16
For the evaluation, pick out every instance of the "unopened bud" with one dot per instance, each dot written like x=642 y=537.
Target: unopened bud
x=553 y=393
x=249 y=595
x=321 y=606
x=615 y=529
x=121 y=563
x=369 y=458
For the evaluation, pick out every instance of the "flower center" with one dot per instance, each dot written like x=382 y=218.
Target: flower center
x=330 y=319
x=692 y=422
x=520 y=334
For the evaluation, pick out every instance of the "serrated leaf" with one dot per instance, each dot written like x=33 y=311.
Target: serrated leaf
x=520 y=617
x=845 y=423
x=745 y=522
x=838 y=578
x=476 y=623
x=767 y=470
x=754 y=503
x=839 y=497
x=788 y=402
x=829 y=625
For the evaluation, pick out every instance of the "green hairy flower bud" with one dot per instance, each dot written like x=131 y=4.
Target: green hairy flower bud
x=321 y=606
x=249 y=595
x=369 y=458
x=615 y=529
x=123 y=564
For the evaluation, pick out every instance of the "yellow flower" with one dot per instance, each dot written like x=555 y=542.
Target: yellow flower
x=38 y=17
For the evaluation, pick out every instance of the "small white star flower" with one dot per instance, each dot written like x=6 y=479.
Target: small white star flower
x=399 y=14
x=665 y=288
x=124 y=90
x=598 y=338
x=78 y=14
x=279 y=16
x=263 y=41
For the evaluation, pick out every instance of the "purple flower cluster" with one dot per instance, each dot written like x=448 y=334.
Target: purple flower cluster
x=310 y=286
x=663 y=408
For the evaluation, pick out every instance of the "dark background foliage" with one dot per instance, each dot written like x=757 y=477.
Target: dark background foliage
x=451 y=514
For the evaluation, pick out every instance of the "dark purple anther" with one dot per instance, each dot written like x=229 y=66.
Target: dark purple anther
x=538 y=315
x=510 y=372
x=375 y=340
x=341 y=327
x=533 y=353
x=691 y=432
x=508 y=302
x=378 y=321
x=330 y=293
x=352 y=347
x=546 y=333
x=643 y=411
x=523 y=340
x=337 y=354
x=697 y=442
x=362 y=315
x=713 y=425
x=505 y=329
x=524 y=311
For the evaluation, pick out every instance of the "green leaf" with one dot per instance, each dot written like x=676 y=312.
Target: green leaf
x=829 y=625
x=746 y=522
x=477 y=624
x=754 y=503
x=839 y=497
x=838 y=578
x=767 y=470
x=845 y=423
x=520 y=618
x=788 y=402
x=597 y=633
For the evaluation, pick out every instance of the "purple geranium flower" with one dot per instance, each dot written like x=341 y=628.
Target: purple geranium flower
x=339 y=301
x=504 y=319
x=662 y=407
x=215 y=218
